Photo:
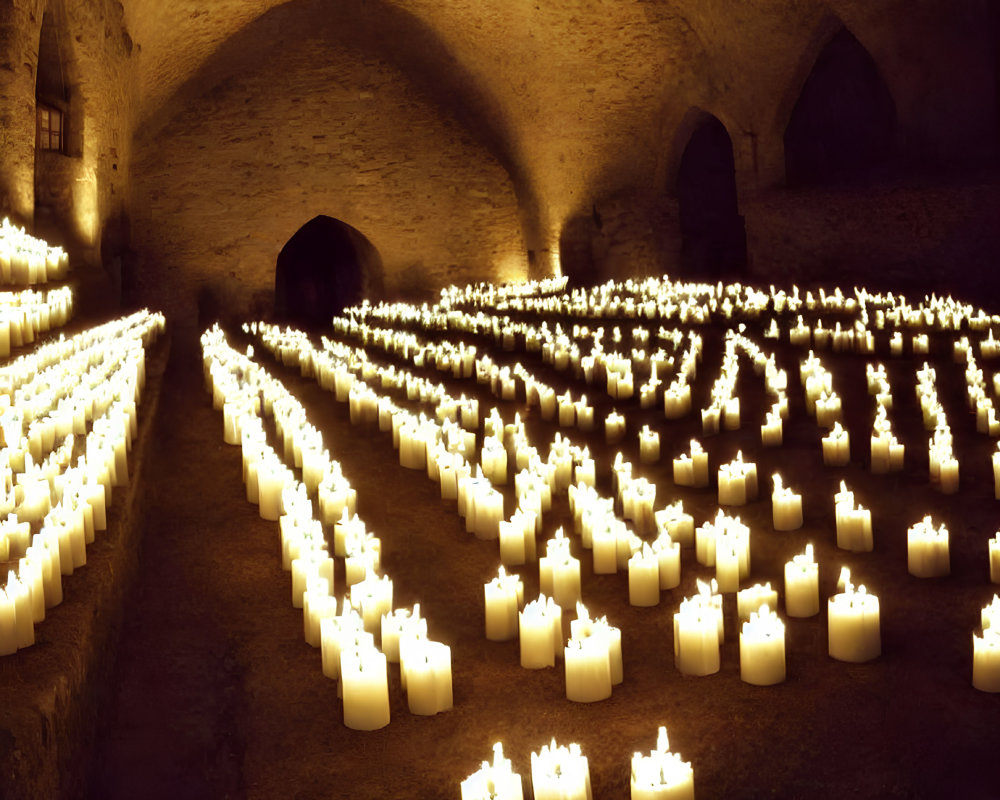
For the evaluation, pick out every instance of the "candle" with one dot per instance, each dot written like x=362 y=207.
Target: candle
x=802 y=585
x=771 y=432
x=854 y=632
x=560 y=773
x=668 y=556
x=644 y=577
x=496 y=781
x=753 y=597
x=673 y=521
x=649 y=445
x=398 y=623
x=8 y=624
x=517 y=537
x=692 y=469
x=786 y=507
x=986 y=650
x=588 y=669
x=559 y=571
x=994 y=547
x=364 y=687
x=504 y=597
x=540 y=629
x=762 y=648
x=927 y=549
x=737 y=482
x=837 y=447
x=614 y=427
x=661 y=775
x=854 y=523
x=697 y=625
x=428 y=675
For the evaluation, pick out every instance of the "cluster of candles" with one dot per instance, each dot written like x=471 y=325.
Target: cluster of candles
x=26 y=260
x=68 y=417
x=27 y=314
x=359 y=637
x=561 y=772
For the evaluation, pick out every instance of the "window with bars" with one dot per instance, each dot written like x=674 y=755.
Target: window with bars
x=50 y=129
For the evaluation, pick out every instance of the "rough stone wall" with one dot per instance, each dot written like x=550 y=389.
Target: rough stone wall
x=316 y=129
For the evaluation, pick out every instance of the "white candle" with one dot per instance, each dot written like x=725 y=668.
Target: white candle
x=927 y=549
x=649 y=445
x=398 y=623
x=762 y=648
x=854 y=523
x=428 y=675
x=677 y=524
x=559 y=572
x=540 y=629
x=753 y=597
x=668 y=556
x=8 y=624
x=560 y=773
x=986 y=650
x=588 y=669
x=995 y=558
x=854 y=632
x=661 y=775
x=496 y=781
x=504 y=597
x=364 y=685
x=802 y=585
x=837 y=447
x=697 y=634
x=614 y=427
x=786 y=507
x=644 y=578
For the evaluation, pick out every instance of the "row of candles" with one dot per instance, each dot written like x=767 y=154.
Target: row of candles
x=361 y=636
x=27 y=260
x=67 y=427
x=562 y=772
x=27 y=314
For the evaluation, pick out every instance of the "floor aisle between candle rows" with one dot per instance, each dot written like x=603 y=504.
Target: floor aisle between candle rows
x=219 y=696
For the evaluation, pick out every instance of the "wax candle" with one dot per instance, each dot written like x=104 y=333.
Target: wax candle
x=786 y=507
x=428 y=675
x=540 y=629
x=854 y=632
x=771 y=432
x=697 y=634
x=644 y=578
x=517 y=538
x=398 y=623
x=364 y=687
x=8 y=624
x=986 y=650
x=753 y=597
x=802 y=585
x=994 y=547
x=691 y=469
x=614 y=427
x=662 y=775
x=854 y=523
x=560 y=773
x=927 y=549
x=559 y=571
x=762 y=648
x=837 y=447
x=504 y=597
x=588 y=669
x=668 y=556
x=673 y=521
x=649 y=445
x=496 y=781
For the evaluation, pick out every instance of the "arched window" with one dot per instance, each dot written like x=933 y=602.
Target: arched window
x=324 y=268
x=843 y=126
x=713 y=236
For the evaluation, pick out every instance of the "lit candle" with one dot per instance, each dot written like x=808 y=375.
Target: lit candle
x=559 y=572
x=496 y=781
x=649 y=445
x=644 y=578
x=428 y=675
x=786 y=507
x=614 y=427
x=927 y=549
x=673 y=521
x=560 y=773
x=668 y=556
x=854 y=632
x=588 y=669
x=696 y=634
x=986 y=650
x=398 y=623
x=364 y=685
x=802 y=585
x=504 y=596
x=692 y=469
x=517 y=538
x=753 y=597
x=762 y=648
x=995 y=558
x=854 y=523
x=837 y=447
x=540 y=629
x=661 y=775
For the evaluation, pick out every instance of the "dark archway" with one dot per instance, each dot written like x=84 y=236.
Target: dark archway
x=713 y=234
x=321 y=270
x=843 y=126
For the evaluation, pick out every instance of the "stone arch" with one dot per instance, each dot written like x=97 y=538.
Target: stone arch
x=843 y=124
x=713 y=235
x=326 y=266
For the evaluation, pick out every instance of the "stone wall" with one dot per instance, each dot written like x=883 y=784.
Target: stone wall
x=313 y=129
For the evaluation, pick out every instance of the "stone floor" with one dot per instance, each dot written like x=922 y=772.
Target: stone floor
x=217 y=694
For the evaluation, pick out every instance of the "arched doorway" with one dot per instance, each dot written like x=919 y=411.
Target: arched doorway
x=713 y=234
x=843 y=126
x=324 y=268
